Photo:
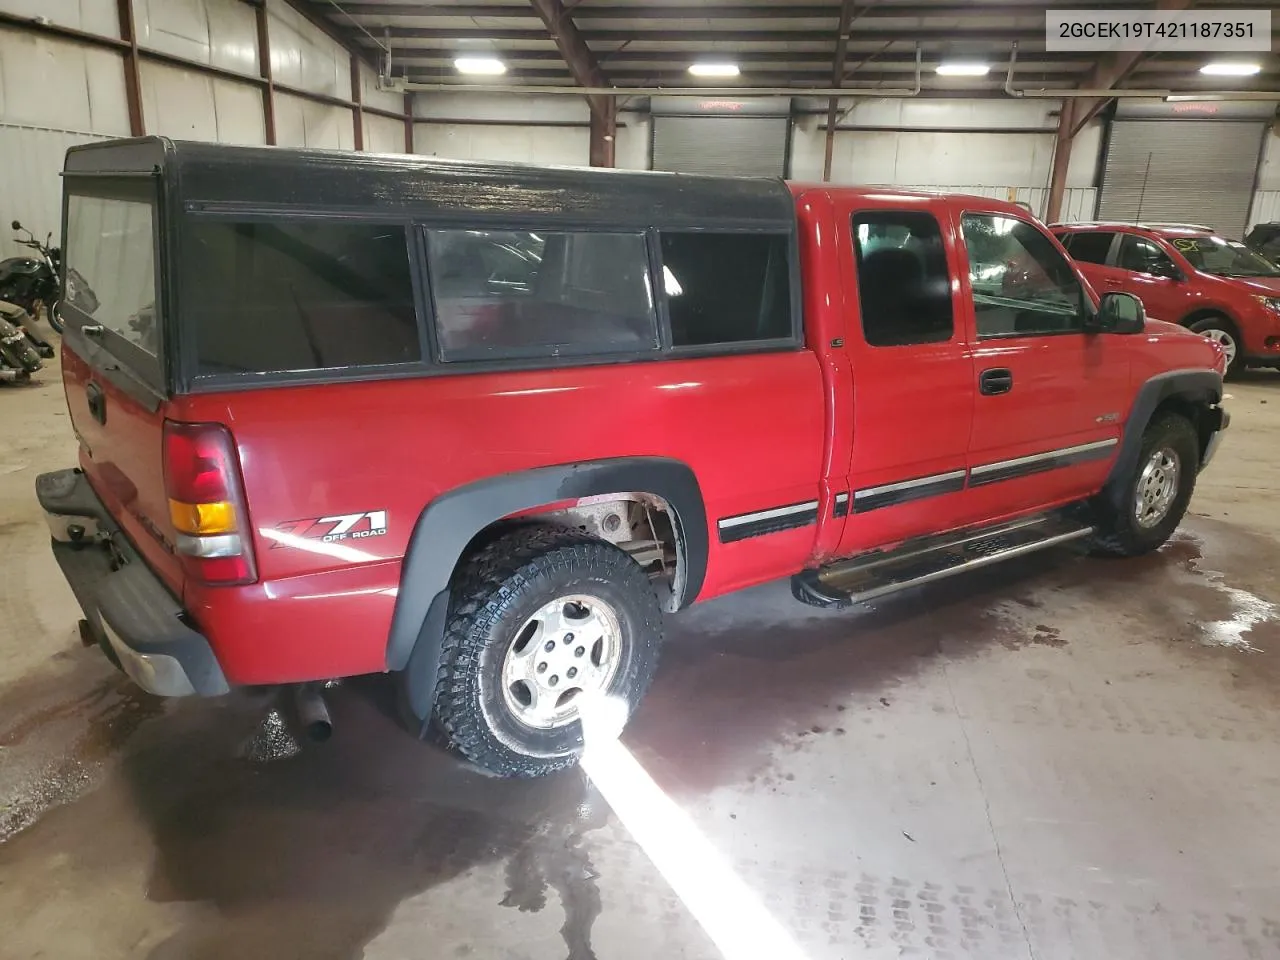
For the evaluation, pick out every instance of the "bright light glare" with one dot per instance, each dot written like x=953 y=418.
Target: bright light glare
x=670 y=282
x=486 y=66
x=336 y=550
x=732 y=915
x=961 y=68
x=714 y=69
x=1231 y=69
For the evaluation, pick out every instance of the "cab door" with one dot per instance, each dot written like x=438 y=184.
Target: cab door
x=1050 y=398
x=913 y=383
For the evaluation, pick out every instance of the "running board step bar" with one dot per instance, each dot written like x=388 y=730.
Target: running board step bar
x=927 y=559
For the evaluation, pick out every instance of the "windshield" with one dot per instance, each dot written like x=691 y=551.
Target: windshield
x=1223 y=258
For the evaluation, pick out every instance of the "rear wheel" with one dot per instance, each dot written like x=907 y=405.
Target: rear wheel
x=1224 y=333
x=1156 y=495
x=541 y=620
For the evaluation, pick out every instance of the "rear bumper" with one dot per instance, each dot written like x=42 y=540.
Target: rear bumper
x=128 y=608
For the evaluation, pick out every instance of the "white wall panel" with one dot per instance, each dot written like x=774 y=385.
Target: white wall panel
x=631 y=151
x=952 y=114
x=30 y=188
x=52 y=83
x=1086 y=155
x=1269 y=171
x=1266 y=207
x=496 y=106
x=304 y=56
x=93 y=16
x=373 y=97
x=565 y=146
x=190 y=106
x=223 y=33
x=383 y=135
x=873 y=156
x=304 y=123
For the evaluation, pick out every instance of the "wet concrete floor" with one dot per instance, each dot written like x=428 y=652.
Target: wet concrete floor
x=1074 y=758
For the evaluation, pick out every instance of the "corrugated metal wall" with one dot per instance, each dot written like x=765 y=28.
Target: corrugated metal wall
x=1077 y=202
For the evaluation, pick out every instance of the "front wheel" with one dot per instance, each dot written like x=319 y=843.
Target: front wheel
x=1224 y=333
x=51 y=313
x=1156 y=495
x=540 y=621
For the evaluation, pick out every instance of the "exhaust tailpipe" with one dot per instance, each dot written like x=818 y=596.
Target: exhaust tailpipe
x=309 y=703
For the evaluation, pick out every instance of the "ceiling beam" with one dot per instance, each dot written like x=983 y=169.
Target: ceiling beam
x=815 y=61
x=769 y=34
x=582 y=63
x=1113 y=68
x=722 y=12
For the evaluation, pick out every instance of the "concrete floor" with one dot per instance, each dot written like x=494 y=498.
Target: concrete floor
x=1071 y=759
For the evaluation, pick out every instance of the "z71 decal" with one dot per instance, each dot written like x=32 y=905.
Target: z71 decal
x=347 y=526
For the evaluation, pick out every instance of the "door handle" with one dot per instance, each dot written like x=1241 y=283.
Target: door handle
x=995 y=381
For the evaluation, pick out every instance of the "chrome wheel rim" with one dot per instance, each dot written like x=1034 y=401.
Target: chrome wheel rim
x=1223 y=339
x=1157 y=487
x=569 y=648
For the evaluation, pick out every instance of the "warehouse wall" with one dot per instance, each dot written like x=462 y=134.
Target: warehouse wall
x=1266 y=199
x=997 y=148
x=56 y=92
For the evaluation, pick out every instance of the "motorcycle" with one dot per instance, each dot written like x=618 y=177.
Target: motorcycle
x=32 y=283
x=18 y=359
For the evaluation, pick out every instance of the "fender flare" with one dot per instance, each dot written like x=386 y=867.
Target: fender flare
x=1197 y=386
x=452 y=520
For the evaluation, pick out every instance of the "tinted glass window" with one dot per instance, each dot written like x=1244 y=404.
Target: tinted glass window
x=1225 y=258
x=904 y=287
x=111 y=275
x=297 y=296
x=726 y=287
x=1089 y=247
x=1021 y=284
x=501 y=293
x=1143 y=256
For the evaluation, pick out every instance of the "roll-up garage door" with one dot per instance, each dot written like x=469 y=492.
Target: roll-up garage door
x=733 y=146
x=1187 y=171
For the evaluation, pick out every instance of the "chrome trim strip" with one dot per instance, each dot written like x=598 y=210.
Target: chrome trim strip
x=841 y=497
x=908 y=484
x=730 y=522
x=1038 y=457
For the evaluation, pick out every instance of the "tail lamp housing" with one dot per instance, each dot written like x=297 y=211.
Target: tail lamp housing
x=206 y=503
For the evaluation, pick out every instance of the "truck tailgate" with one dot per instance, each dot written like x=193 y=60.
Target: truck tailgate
x=121 y=452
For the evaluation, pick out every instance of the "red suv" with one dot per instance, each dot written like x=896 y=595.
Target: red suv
x=481 y=425
x=1189 y=275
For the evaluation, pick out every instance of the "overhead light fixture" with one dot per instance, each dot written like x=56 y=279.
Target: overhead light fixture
x=714 y=69
x=1226 y=69
x=482 y=66
x=963 y=68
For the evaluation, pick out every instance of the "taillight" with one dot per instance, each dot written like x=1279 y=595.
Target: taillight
x=206 y=503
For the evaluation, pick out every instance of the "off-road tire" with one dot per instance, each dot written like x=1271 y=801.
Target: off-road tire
x=493 y=594
x=1118 y=532
x=1219 y=322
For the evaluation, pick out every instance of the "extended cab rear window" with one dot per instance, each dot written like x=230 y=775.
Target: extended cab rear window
x=283 y=296
x=540 y=293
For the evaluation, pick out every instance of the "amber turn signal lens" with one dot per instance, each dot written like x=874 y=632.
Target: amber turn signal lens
x=200 y=519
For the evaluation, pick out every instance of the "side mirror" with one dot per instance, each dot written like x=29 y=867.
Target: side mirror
x=17 y=225
x=1120 y=313
x=1165 y=269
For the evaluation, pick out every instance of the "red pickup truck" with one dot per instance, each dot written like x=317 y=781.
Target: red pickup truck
x=480 y=425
